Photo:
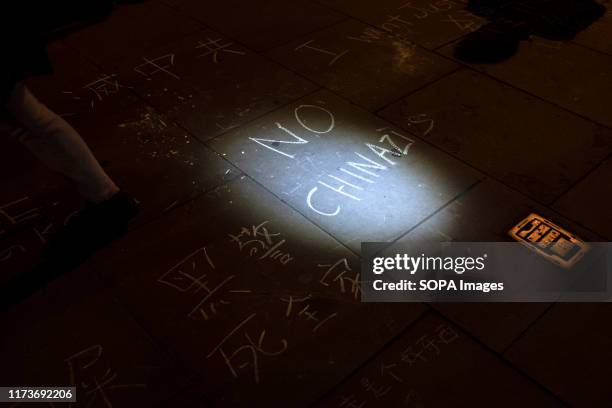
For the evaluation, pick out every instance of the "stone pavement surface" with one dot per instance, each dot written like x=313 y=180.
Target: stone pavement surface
x=255 y=135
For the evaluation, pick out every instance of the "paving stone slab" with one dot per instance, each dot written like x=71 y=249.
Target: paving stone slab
x=129 y=28
x=153 y=159
x=78 y=90
x=366 y=65
x=520 y=140
x=253 y=296
x=428 y=23
x=569 y=75
x=145 y=152
x=484 y=214
x=261 y=26
x=435 y=364
x=201 y=82
x=568 y=351
x=75 y=334
x=350 y=172
x=586 y=203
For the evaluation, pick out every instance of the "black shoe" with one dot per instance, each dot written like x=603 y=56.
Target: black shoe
x=490 y=44
x=92 y=228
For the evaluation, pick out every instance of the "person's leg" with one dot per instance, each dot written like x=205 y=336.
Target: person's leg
x=58 y=145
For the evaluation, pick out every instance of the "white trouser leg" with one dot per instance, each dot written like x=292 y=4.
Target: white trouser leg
x=58 y=145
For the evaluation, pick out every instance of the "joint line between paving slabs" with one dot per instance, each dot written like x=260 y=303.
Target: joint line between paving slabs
x=309 y=221
x=492 y=176
x=369 y=359
x=578 y=181
x=433 y=214
x=247 y=123
x=526 y=329
x=420 y=88
x=525 y=91
x=501 y=358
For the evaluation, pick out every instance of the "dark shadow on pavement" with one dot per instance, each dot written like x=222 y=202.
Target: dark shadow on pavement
x=90 y=230
x=512 y=21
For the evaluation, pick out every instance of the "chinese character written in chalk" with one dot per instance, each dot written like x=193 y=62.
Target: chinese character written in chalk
x=429 y=345
x=335 y=56
x=340 y=275
x=102 y=87
x=96 y=381
x=377 y=391
x=350 y=401
x=249 y=351
x=16 y=213
x=189 y=276
x=305 y=311
x=258 y=239
x=156 y=65
x=214 y=47
x=8 y=253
